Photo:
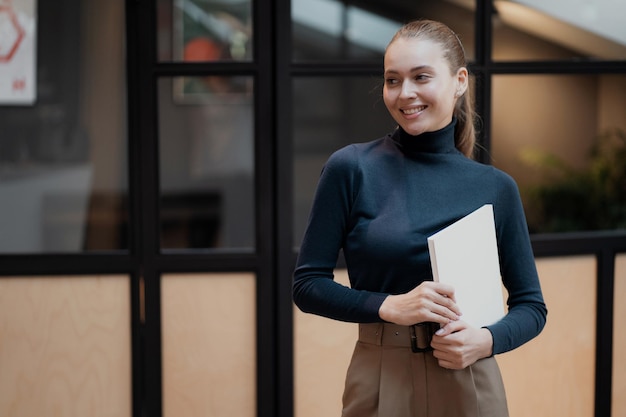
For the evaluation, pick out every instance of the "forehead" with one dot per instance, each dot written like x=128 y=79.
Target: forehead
x=413 y=52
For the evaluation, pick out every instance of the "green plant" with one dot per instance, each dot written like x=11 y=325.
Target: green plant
x=593 y=198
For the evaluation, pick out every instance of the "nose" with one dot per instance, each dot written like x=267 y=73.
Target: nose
x=408 y=90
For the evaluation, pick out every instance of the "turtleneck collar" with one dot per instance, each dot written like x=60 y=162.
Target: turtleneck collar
x=439 y=141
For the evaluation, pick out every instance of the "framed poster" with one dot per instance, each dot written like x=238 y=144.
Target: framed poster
x=211 y=31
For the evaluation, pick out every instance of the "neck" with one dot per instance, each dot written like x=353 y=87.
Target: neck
x=439 y=141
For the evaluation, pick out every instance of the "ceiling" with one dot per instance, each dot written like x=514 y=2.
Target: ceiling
x=602 y=17
x=593 y=28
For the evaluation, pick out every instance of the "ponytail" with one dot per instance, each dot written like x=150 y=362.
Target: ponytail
x=465 y=130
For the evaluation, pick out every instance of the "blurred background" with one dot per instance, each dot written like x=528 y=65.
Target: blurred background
x=158 y=160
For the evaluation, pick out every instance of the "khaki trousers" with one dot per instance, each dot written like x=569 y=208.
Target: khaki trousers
x=387 y=379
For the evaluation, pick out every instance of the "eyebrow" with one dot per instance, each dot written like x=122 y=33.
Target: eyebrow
x=414 y=69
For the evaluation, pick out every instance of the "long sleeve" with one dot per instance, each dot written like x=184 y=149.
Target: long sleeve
x=314 y=289
x=527 y=311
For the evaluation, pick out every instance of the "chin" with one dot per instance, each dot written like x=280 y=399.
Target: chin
x=414 y=130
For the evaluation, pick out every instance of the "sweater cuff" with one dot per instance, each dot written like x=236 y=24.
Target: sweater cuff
x=493 y=342
x=372 y=305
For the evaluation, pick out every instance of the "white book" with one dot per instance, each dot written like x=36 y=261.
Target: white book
x=465 y=255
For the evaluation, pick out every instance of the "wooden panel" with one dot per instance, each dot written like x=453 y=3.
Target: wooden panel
x=65 y=346
x=323 y=348
x=619 y=339
x=209 y=345
x=553 y=375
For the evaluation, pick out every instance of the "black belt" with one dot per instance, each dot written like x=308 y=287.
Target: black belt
x=417 y=337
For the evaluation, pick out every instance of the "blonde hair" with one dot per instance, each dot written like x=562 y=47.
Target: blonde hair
x=453 y=52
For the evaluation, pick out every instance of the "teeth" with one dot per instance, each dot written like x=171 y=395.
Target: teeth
x=413 y=110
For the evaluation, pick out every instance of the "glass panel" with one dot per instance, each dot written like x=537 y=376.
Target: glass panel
x=563 y=138
x=543 y=30
x=619 y=338
x=66 y=346
x=337 y=30
x=332 y=112
x=209 y=364
x=554 y=375
x=206 y=139
x=204 y=30
x=63 y=168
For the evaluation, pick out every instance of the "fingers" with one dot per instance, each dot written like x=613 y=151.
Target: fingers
x=443 y=313
x=449 y=354
x=452 y=327
x=446 y=290
x=450 y=304
x=451 y=364
x=429 y=301
x=441 y=301
x=458 y=345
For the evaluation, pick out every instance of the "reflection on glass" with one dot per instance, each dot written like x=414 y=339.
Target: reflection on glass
x=540 y=30
x=329 y=113
x=206 y=133
x=204 y=30
x=63 y=170
x=569 y=159
x=338 y=30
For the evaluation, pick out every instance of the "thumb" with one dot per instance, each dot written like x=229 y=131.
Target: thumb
x=451 y=327
x=444 y=331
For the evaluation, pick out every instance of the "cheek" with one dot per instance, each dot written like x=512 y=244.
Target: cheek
x=442 y=99
x=432 y=93
x=387 y=98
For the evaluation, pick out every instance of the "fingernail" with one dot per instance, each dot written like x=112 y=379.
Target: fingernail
x=439 y=332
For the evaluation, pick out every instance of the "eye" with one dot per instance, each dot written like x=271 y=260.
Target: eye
x=391 y=81
x=421 y=77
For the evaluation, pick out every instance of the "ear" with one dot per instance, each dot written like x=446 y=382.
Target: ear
x=462 y=80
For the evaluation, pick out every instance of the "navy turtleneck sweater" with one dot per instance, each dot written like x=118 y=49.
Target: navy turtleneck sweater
x=379 y=201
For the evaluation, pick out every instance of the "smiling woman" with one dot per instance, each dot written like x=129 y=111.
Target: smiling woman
x=426 y=83
x=378 y=202
x=421 y=98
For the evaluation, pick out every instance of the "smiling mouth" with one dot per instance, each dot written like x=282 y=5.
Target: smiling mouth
x=413 y=110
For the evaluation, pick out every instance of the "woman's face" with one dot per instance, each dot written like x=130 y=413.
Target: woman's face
x=419 y=91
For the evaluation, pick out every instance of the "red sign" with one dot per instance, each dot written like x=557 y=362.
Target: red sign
x=12 y=33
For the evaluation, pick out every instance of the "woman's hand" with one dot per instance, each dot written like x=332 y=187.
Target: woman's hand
x=429 y=301
x=458 y=345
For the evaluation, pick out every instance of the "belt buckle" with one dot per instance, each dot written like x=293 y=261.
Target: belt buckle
x=414 y=347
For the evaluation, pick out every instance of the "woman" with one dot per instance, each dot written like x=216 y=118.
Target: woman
x=379 y=201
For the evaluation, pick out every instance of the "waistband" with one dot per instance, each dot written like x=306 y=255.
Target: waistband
x=416 y=337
